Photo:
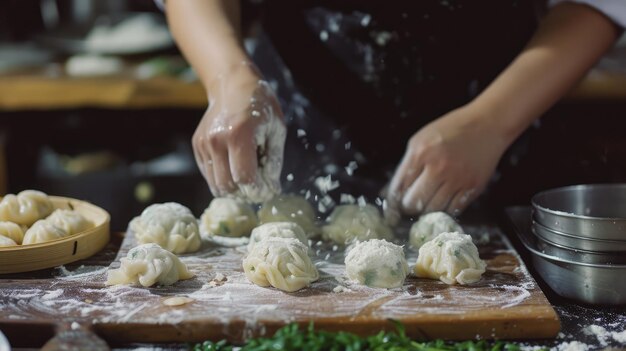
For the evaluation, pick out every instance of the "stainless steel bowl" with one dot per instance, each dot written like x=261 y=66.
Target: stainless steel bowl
x=575 y=274
x=592 y=211
x=593 y=284
x=553 y=249
x=577 y=242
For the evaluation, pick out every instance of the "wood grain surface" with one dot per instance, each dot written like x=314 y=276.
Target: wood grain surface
x=505 y=304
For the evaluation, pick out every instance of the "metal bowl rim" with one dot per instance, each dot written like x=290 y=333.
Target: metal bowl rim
x=574 y=236
x=576 y=187
x=564 y=247
x=536 y=252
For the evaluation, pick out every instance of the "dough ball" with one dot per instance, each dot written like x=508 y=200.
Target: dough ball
x=170 y=225
x=277 y=230
x=12 y=231
x=377 y=263
x=25 y=208
x=148 y=264
x=4 y=241
x=429 y=226
x=280 y=262
x=228 y=217
x=71 y=222
x=290 y=208
x=43 y=231
x=348 y=223
x=450 y=257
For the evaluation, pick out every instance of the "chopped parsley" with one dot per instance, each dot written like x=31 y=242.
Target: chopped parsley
x=291 y=337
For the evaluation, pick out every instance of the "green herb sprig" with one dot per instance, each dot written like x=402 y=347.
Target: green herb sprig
x=292 y=338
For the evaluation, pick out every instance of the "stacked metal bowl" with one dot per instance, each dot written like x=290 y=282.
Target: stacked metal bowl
x=580 y=236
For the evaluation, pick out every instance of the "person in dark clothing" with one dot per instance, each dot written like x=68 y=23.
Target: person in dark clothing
x=451 y=83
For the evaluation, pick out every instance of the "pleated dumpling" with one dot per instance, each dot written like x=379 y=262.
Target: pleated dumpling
x=25 y=208
x=290 y=208
x=70 y=221
x=348 y=223
x=4 y=241
x=429 y=226
x=43 y=231
x=450 y=257
x=280 y=262
x=228 y=217
x=277 y=230
x=170 y=225
x=12 y=231
x=149 y=264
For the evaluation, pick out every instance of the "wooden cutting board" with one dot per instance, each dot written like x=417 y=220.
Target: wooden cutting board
x=505 y=304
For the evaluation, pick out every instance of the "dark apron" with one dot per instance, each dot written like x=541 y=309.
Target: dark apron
x=382 y=69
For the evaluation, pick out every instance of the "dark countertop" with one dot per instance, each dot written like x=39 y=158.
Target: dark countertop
x=576 y=317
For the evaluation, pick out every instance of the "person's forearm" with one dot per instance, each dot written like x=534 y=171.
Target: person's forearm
x=208 y=33
x=569 y=41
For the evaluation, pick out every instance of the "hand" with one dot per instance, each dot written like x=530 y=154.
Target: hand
x=239 y=142
x=447 y=164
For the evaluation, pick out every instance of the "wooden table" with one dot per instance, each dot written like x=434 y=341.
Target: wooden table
x=505 y=304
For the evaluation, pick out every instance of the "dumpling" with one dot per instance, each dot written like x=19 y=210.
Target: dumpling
x=429 y=226
x=170 y=225
x=228 y=217
x=290 y=208
x=450 y=257
x=25 y=208
x=149 y=264
x=12 y=231
x=277 y=230
x=71 y=222
x=4 y=241
x=377 y=263
x=355 y=222
x=280 y=262
x=43 y=231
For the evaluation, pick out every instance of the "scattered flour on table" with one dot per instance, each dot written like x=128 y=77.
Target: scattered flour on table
x=519 y=294
x=227 y=295
x=340 y=289
x=599 y=332
x=531 y=348
x=80 y=272
x=571 y=346
x=52 y=294
x=619 y=336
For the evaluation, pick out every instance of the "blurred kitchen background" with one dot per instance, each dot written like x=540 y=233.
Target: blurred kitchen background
x=96 y=103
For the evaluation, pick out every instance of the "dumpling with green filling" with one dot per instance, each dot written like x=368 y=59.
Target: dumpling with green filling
x=450 y=257
x=348 y=223
x=283 y=263
x=277 y=230
x=429 y=226
x=290 y=208
x=147 y=265
x=228 y=217
x=170 y=225
x=377 y=263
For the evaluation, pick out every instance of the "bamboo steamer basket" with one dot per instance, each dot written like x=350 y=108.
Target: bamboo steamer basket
x=25 y=258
